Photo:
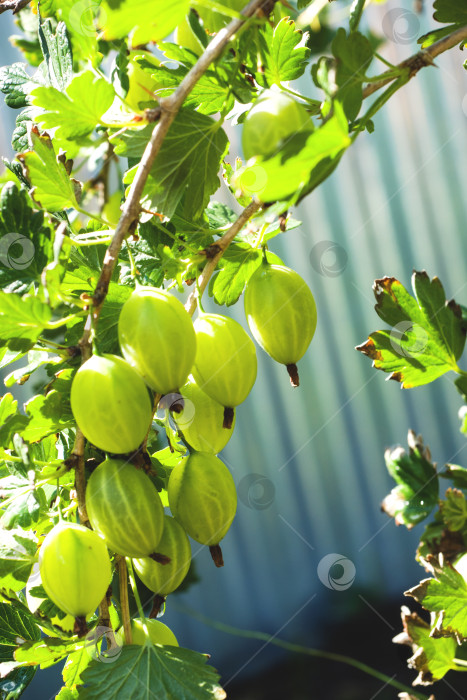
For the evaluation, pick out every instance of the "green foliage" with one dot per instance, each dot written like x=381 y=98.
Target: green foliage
x=286 y=176
x=445 y=593
x=142 y=672
x=427 y=337
x=15 y=623
x=51 y=186
x=62 y=290
x=144 y=20
x=433 y=657
x=187 y=164
x=417 y=492
x=78 y=110
x=448 y=12
x=286 y=55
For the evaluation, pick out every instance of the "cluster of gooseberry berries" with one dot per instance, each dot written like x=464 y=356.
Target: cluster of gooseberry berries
x=212 y=364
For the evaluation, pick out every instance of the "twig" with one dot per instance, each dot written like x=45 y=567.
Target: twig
x=14 y=5
x=124 y=604
x=169 y=108
x=104 y=622
x=423 y=58
x=220 y=247
x=76 y=461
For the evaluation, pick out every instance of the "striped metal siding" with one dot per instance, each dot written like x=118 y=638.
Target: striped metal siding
x=395 y=203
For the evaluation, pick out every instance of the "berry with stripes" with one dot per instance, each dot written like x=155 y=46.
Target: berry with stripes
x=203 y=498
x=113 y=491
x=281 y=314
x=111 y=404
x=75 y=570
x=157 y=338
x=225 y=365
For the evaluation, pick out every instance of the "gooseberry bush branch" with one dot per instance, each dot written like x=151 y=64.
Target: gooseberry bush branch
x=122 y=131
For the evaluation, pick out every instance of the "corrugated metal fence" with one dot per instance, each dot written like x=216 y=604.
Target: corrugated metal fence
x=395 y=203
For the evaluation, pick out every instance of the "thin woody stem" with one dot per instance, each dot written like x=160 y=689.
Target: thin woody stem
x=168 y=110
x=219 y=248
x=422 y=58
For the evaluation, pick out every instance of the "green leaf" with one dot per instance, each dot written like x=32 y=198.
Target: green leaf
x=236 y=267
x=44 y=653
x=58 y=57
x=188 y=162
x=142 y=673
x=26 y=503
x=12 y=425
x=454 y=510
x=428 y=39
x=8 y=407
x=79 y=19
x=220 y=215
x=354 y=54
x=13 y=685
x=76 y=663
x=52 y=188
x=287 y=55
x=285 y=174
x=427 y=337
x=445 y=594
x=417 y=492
x=457 y=474
x=19 y=137
x=450 y=11
x=77 y=110
x=49 y=414
x=17 y=553
x=16 y=84
x=25 y=240
x=432 y=658
x=143 y=20
x=107 y=330
x=36 y=359
x=22 y=317
x=17 y=626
